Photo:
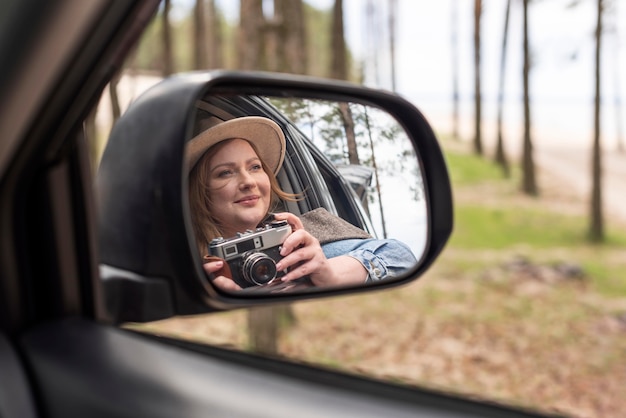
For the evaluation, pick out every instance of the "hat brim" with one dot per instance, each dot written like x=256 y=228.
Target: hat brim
x=264 y=133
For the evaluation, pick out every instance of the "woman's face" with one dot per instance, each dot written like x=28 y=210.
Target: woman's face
x=240 y=188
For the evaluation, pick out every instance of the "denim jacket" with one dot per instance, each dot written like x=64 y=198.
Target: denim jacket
x=382 y=258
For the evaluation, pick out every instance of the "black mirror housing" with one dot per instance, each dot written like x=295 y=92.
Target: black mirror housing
x=149 y=265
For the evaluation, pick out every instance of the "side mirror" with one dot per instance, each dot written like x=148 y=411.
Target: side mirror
x=365 y=157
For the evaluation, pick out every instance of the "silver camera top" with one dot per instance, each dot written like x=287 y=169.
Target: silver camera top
x=271 y=235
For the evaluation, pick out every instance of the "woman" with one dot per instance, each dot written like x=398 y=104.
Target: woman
x=233 y=188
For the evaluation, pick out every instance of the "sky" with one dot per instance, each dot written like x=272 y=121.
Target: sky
x=561 y=79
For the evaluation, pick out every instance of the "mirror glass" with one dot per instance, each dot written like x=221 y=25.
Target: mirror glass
x=349 y=176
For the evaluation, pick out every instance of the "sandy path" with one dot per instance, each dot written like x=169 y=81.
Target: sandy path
x=572 y=166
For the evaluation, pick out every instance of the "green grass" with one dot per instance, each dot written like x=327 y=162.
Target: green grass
x=608 y=277
x=533 y=228
x=499 y=228
x=467 y=169
x=480 y=226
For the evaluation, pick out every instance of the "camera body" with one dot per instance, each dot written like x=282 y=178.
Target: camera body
x=252 y=255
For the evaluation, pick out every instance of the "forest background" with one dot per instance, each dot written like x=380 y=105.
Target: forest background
x=527 y=305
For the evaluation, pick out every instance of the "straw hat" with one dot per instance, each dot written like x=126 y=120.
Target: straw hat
x=264 y=133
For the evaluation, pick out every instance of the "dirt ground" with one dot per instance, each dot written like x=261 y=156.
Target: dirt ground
x=500 y=334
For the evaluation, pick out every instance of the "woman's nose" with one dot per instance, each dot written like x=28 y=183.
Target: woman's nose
x=246 y=180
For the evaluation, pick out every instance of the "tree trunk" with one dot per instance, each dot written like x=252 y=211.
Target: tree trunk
x=478 y=145
x=339 y=69
x=529 y=184
x=200 y=40
x=596 y=228
x=214 y=37
x=291 y=36
x=251 y=37
x=263 y=330
x=168 y=57
x=348 y=125
x=500 y=156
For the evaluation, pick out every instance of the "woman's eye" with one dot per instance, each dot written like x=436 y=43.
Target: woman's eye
x=224 y=173
x=256 y=167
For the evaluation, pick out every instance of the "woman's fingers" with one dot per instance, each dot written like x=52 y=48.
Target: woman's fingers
x=291 y=219
x=298 y=239
x=223 y=282
x=302 y=256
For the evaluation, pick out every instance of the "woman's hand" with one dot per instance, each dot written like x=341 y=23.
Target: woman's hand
x=303 y=255
x=212 y=267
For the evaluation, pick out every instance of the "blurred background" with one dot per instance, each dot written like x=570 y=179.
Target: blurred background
x=527 y=304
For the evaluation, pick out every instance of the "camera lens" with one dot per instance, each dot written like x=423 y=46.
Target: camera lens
x=259 y=269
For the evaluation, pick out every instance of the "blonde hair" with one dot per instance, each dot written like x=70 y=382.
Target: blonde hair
x=205 y=226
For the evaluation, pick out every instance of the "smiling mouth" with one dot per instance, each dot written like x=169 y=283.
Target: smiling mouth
x=248 y=199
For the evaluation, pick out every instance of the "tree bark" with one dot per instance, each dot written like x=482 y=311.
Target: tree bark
x=529 y=184
x=478 y=145
x=596 y=228
x=251 y=37
x=263 y=330
x=348 y=126
x=214 y=37
x=168 y=57
x=291 y=36
x=339 y=69
x=200 y=40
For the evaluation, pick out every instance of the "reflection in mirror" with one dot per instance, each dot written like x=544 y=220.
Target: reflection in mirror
x=300 y=194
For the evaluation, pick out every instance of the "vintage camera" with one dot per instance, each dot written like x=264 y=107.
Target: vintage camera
x=252 y=255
